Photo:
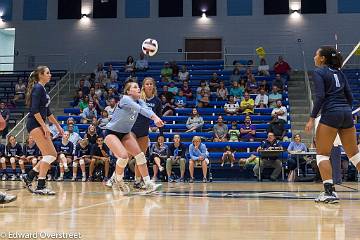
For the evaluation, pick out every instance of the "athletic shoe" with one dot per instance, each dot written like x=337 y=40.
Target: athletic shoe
x=44 y=191
x=151 y=187
x=139 y=186
x=204 y=180
x=110 y=182
x=181 y=180
x=90 y=179
x=122 y=186
x=49 y=177
x=327 y=198
x=27 y=182
x=4 y=177
x=60 y=179
x=171 y=179
x=13 y=177
x=73 y=179
x=191 y=180
x=83 y=179
x=6 y=198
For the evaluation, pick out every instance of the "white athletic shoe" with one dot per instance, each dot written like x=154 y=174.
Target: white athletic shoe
x=151 y=187
x=60 y=179
x=110 y=182
x=83 y=179
x=6 y=198
x=327 y=198
x=122 y=186
x=44 y=191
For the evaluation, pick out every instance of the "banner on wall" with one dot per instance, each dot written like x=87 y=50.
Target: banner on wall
x=260 y=51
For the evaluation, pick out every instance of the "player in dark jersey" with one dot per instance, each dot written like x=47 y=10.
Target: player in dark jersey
x=334 y=98
x=39 y=101
x=65 y=151
x=82 y=156
x=31 y=152
x=14 y=154
x=142 y=124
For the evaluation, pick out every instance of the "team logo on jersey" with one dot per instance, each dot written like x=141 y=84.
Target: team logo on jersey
x=48 y=100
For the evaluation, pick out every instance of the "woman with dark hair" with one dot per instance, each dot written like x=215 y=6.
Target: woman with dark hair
x=334 y=98
x=39 y=101
x=130 y=64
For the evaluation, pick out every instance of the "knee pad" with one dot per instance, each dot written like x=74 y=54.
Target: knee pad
x=320 y=158
x=21 y=162
x=2 y=160
x=140 y=159
x=82 y=161
x=122 y=162
x=75 y=164
x=12 y=160
x=34 y=160
x=355 y=159
x=48 y=159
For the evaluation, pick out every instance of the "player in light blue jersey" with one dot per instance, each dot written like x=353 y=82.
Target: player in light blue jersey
x=120 y=140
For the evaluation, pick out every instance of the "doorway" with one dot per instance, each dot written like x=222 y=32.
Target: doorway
x=202 y=47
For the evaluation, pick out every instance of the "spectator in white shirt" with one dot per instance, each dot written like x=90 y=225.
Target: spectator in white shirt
x=263 y=68
x=100 y=74
x=280 y=111
x=111 y=107
x=232 y=107
x=262 y=100
x=142 y=64
x=112 y=74
x=183 y=74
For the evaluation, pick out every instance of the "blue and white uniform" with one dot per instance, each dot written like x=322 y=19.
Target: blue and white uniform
x=67 y=149
x=40 y=102
x=125 y=116
x=80 y=151
x=333 y=97
x=142 y=124
x=31 y=151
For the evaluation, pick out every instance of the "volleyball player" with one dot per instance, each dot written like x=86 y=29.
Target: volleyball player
x=142 y=124
x=39 y=101
x=122 y=142
x=5 y=197
x=334 y=98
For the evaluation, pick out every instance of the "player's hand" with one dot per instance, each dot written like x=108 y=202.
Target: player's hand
x=60 y=130
x=309 y=125
x=47 y=132
x=158 y=122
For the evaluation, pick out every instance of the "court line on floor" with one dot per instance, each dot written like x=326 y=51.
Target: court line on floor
x=90 y=206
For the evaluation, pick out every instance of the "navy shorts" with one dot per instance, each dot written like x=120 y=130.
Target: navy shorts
x=140 y=132
x=120 y=136
x=31 y=124
x=338 y=120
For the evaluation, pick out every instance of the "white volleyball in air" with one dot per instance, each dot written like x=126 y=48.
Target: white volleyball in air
x=150 y=47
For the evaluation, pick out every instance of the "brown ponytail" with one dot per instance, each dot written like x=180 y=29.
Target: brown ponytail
x=33 y=78
x=333 y=58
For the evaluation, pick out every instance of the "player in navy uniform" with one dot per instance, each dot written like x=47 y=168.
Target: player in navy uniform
x=82 y=156
x=39 y=101
x=142 y=124
x=65 y=151
x=333 y=97
x=31 y=152
x=14 y=154
x=122 y=142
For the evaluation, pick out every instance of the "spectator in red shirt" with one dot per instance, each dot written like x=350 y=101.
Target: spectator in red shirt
x=283 y=68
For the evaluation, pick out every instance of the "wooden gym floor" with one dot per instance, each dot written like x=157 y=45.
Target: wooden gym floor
x=220 y=210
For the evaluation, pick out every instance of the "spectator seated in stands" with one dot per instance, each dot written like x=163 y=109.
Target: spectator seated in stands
x=187 y=91
x=278 y=82
x=131 y=78
x=99 y=156
x=199 y=155
x=74 y=137
x=110 y=108
x=114 y=85
x=252 y=86
x=54 y=132
x=111 y=93
x=31 y=152
x=105 y=119
x=269 y=144
x=183 y=74
x=234 y=133
x=180 y=100
x=158 y=155
x=228 y=156
x=195 y=122
x=81 y=157
x=261 y=100
x=5 y=113
x=235 y=76
x=283 y=68
x=168 y=108
x=220 y=130
x=14 y=153
x=84 y=103
x=247 y=104
x=203 y=86
x=280 y=111
x=2 y=162
x=76 y=100
x=247 y=130
x=263 y=68
x=222 y=92
x=265 y=85
x=165 y=92
x=173 y=88
x=277 y=127
x=236 y=91
x=294 y=147
x=98 y=103
x=99 y=73
x=175 y=70
x=176 y=155
x=129 y=64
x=214 y=83
x=111 y=74
x=71 y=121
x=91 y=134
x=167 y=72
x=203 y=99
x=20 y=89
x=142 y=64
x=231 y=107
x=88 y=113
x=274 y=96
x=84 y=86
x=65 y=150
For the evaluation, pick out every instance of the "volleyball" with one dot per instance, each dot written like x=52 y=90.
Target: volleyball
x=150 y=47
